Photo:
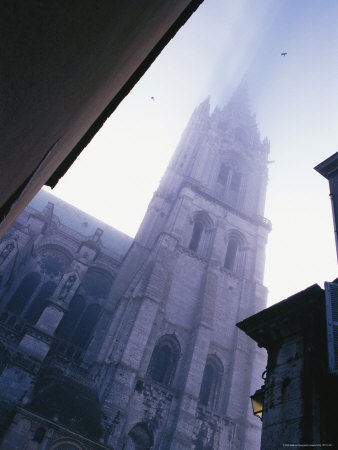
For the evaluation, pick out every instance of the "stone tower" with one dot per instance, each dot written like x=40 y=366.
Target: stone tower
x=112 y=343
x=178 y=375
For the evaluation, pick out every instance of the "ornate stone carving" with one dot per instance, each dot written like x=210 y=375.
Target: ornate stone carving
x=6 y=252
x=67 y=287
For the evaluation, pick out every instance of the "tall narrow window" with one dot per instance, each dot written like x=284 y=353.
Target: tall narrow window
x=230 y=257
x=223 y=175
x=235 y=181
x=211 y=382
x=207 y=381
x=40 y=301
x=161 y=364
x=196 y=236
x=23 y=293
x=72 y=317
x=164 y=360
x=96 y=284
x=142 y=437
x=86 y=325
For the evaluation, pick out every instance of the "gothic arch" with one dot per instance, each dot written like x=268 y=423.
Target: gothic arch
x=235 y=252
x=70 y=320
x=23 y=293
x=196 y=235
x=164 y=359
x=141 y=436
x=79 y=322
x=53 y=259
x=231 y=179
x=86 y=325
x=66 y=444
x=211 y=381
x=53 y=244
x=202 y=226
x=39 y=302
x=96 y=283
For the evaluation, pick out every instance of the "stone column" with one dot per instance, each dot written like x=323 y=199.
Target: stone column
x=196 y=358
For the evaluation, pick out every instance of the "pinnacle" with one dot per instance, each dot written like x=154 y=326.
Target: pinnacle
x=205 y=105
x=240 y=99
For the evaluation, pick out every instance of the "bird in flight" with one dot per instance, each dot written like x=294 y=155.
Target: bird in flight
x=284 y=53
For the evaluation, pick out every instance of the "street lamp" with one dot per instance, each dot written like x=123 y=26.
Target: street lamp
x=257 y=400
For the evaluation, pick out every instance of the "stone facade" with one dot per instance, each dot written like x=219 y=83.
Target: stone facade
x=300 y=395
x=109 y=342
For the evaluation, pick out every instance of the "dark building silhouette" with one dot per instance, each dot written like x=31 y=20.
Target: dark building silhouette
x=66 y=66
x=300 y=393
x=301 y=336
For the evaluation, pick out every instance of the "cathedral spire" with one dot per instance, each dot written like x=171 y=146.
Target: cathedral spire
x=201 y=112
x=239 y=102
x=205 y=105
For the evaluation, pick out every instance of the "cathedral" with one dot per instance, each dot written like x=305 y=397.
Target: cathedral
x=109 y=342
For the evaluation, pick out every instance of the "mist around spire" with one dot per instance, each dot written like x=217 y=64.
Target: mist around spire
x=203 y=109
x=205 y=105
x=239 y=101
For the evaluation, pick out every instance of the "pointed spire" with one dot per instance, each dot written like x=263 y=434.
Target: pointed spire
x=200 y=115
x=239 y=102
x=47 y=212
x=205 y=105
x=203 y=108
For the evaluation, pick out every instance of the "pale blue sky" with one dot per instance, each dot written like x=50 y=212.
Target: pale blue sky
x=294 y=98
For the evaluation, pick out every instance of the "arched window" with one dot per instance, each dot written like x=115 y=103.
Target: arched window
x=96 y=284
x=70 y=320
x=39 y=434
x=235 y=252
x=164 y=360
x=141 y=436
x=230 y=257
x=53 y=262
x=211 y=382
x=161 y=366
x=201 y=233
x=79 y=322
x=86 y=325
x=235 y=181
x=66 y=445
x=230 y=180
x=223 y=175
x=38 y=305
x=23 y=293
x=196 y=235
x=207 y=382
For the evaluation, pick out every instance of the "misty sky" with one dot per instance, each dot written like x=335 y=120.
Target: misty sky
x=295 y=99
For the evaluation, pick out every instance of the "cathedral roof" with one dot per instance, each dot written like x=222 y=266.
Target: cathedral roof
x=85 y=224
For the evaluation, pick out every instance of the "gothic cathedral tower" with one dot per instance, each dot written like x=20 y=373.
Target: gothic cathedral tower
x=178 y=373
